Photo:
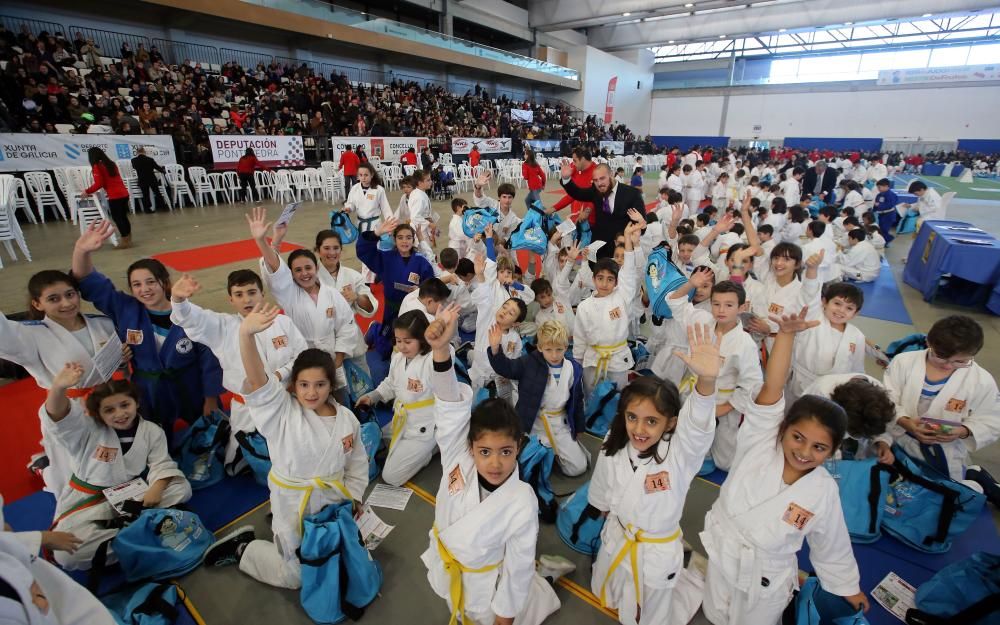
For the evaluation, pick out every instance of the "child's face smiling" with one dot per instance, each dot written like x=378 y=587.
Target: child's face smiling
x=645 y=425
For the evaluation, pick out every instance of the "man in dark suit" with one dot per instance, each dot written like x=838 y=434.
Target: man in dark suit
x=145 y=170
x=611 y=203
x=820 y=181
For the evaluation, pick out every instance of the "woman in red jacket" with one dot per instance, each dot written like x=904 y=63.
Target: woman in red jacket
x=533 y=173
x=107 y=177
x=245 y=167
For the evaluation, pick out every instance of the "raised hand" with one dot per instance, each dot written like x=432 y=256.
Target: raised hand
x=259 y=225
x=816 y=259
x=480 y=264
x=388 y=226
x=703 y=358
x=725 y=223
x=69 y=376
x=438 y=334
x=676 y=213
x=794 y=323
x=260 y=318
x=701 y=277
x=566 y=169
x=636 y=216
x=488 y=231
x=482 y=180
x=94 y=236
x=496 y=333
x=184 y=288
x=584 y=214
x=573 y=252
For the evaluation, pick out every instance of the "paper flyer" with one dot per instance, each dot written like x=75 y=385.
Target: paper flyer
x=895 y=595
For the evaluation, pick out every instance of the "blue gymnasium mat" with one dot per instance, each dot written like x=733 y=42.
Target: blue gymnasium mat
x=883 y=299
x=716 y=477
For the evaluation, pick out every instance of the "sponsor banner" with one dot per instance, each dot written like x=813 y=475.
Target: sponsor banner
x=386 y=148
x=609 y=104
x=546 y=145
x=521 y=115
x=33 y=152
x=270 y=150
x=966 y=73
x=618 y=147
x=494 y=145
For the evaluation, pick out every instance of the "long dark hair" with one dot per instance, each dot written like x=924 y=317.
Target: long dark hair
x=313 y=358
x=529 y=157
x=665 y=398
x=154 y=267
x=414 y=323
x=96 y=155
x=826 y=412
x=43 y=280
x=376 y=179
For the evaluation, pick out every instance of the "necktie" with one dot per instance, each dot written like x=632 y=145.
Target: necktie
x=607 y=206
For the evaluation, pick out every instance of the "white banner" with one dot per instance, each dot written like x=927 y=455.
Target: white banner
x=543 y=145
x=271 y=150
x=33 y=152
x=386 y=148
x=494 y=145
x=967 y=73
x=521 y=115
x=618 y=147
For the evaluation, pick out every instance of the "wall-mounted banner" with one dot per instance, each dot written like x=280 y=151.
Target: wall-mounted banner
x=609 y=104
x=385 y=148
x=270 y=150
x=33 y=152
x=521 y=115
x=968 y=73
x=543 y=145
x=493 y=145
x=618 y=147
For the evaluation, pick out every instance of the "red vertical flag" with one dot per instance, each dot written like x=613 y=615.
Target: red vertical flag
x=609 y=106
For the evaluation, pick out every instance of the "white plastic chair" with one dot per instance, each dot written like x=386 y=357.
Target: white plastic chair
x=131 y=180
x=202 y=185
x=314 y=178
x=21 y=200
x=90 y=210
x=393 y=174
x=283 y=185
x=218 y=182
x=179 y=187
x=62 y=181
x=264 y=181
x=300 y=180
x=41 y=188
x=945 y=201
x=409 y=169
x=232 y=183
x=328 y=171
x=10 y=230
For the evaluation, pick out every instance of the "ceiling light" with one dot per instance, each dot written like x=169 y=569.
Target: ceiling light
x=782 y=30
x=671 y=41
x=848 y=23
x=722 y=36
x=927 y=15
x=689 y=5
x=626 y=14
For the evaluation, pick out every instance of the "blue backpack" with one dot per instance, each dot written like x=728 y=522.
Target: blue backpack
x=584 y=235
x=863 y=485
x=530 y=235
x=579 y=524
x=359 y=382
x=535 y=466
x=662 y=278
x=339 y=576
x=909 y=343
x=908 y=224
x=253 y=446
x=148 y=604
x=814 y=606
x=202 y=450
x=966 y=592
x=601 y=407
x=371 y=436
x=340 y=222
x=925 y=509
x=160 y=544
x=475 y=220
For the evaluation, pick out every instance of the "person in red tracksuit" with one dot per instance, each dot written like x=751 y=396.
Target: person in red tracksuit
x=583 y=177
x=474 y=156
x=409 y=157
x=245 y=167
x=349 y=162
x=534 y=175
x=107 y=177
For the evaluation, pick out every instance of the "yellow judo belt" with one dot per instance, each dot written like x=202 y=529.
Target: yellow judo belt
x=399 y=414
x=631 y=547
x=454 y=569
x=548 y=429
x=689 y=381
x=604 y=354
x=307 y=486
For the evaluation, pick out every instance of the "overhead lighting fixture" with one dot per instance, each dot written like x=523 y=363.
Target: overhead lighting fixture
x=671 y=41
x=626 y=14
x=927 y=15
x=722 y=36
x=848 y=23
x=689 y=5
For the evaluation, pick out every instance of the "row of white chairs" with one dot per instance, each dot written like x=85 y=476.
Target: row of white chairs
x=10 y=230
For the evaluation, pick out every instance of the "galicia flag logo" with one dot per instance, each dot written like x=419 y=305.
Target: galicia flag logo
x=72 y=150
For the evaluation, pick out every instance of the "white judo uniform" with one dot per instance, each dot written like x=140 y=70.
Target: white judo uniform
x=43 y=347
x=101 y=464
x=315 y=461
x=348 y=277
x=278 y=347
x=861 y=263
x=930 y=205
x=671 y=336
x=371 y=205
x=969 y=397
x=644 y=500
x=781 y=300
x=488 y=297
x=486 y=540
x=756 y=527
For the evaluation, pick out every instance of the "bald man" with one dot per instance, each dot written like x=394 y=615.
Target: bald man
x=611 y=202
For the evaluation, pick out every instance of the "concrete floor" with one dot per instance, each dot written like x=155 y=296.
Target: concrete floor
x=227 y=596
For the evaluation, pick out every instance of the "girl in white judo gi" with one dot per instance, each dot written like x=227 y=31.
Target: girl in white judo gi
x=110 y=444
x=347 y=280
x=776 y=495
x=56 y=333
x=316 y=455
x=410 y=434
x=481 y=557
x=653 y=450
x=367 y=198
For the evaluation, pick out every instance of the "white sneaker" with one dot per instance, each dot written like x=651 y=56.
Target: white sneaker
x=553 y=567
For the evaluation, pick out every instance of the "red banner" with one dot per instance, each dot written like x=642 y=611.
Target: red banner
x=609 y=106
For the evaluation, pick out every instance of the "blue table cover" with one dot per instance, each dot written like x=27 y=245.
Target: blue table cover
x=938 y=251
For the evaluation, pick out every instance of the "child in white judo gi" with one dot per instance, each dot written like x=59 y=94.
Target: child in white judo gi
x=862 y=262
x=653 y=450
x=111 y=444
x=316 y=455
x=870 y=413
x=347 y=280
x=776 y=495
x=481 y=557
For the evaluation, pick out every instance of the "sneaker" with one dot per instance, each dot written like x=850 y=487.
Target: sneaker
x=229 y=549
x=552 y=568
x=37 y=463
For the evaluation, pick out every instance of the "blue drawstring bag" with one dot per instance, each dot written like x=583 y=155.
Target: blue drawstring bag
x=202 y=450
x=371 y=437
x=909 y=343
x=253 y=446
x=814 y=606
x=340 y=222
x=147 y=604
x=160 y=544
x=863 y=485
x=707 y=466
x=908 y=224
x=475 y=220
x=926 y=509
x=530 y=235
x=662 y=278
x=584 y=235
x=535 y=466
x=966 y=592
x=814 y=207
x=549 y=221
x=339 y=576
x=359 y=382
x=579 y=524
x=601 y=407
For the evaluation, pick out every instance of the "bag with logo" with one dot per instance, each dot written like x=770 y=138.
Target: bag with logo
x=926 y=509
x=340 y=222
x=530 y=235
x=662 y=278
x=203 y=448
x=371 y=437
x=863 y=486
x=579 y=524
x=966 y=592
x=359 y=382
x=601 y=407
x=814 y=606
x=535 y=466
x=475 y=220
x=339 y=576
x=147 y=604
x=253 y=446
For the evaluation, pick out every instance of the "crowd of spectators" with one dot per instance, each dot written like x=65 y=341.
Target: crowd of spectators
x=49 y=80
